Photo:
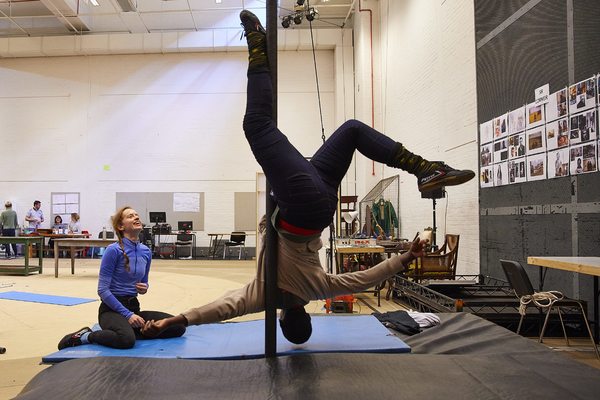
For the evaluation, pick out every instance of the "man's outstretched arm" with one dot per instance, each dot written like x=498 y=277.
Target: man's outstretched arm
x=354 y=282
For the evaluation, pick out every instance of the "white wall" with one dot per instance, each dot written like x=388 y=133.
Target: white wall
x=149 y=123
x=425 y=98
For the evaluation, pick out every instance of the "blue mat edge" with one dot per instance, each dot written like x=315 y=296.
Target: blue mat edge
x=75 y=300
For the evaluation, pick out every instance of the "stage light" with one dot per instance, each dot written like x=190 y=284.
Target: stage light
x=285 y=22
x=311 y=14
x=298 y=19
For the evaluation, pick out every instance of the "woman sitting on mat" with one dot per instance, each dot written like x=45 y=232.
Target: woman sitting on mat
x=306 y=196
x=123 y=275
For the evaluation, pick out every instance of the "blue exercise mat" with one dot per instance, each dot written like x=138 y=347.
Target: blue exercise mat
x=245 y=340
x=44 y=298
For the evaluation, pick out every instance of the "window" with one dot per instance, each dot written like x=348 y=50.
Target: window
x=64 y=204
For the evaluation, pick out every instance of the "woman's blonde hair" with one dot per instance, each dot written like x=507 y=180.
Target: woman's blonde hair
x=116 y=222
x=75 y=216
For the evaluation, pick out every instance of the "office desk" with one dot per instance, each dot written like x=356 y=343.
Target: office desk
x=28 y=241
x=581 y=265
x=216 y=239
x=341 y=251
x=157 y=241
x=76 y=242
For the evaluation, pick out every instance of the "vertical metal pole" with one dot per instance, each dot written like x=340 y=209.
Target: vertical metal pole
x=271 y=240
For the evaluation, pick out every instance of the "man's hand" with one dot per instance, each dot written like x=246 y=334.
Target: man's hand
x=136 y=321
x=417 y=247
x=141 y=288
x=153 y=328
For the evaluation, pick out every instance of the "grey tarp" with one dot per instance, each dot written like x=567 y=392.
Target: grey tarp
x=465 y=357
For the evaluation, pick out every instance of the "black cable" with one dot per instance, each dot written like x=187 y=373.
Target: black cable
x=312 y=41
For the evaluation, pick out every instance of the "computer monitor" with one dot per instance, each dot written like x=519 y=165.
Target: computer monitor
x=158 y=217
x=184 y=226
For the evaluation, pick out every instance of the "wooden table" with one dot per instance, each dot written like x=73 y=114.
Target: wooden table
x=581 y=265
x=28 y=241
x=340 y=251
x=54 y=236
x=76 y=242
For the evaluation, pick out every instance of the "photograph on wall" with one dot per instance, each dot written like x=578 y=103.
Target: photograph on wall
x=583 y=158
x=486 y=154
x=557 y=134
x=501 y=174
x=516 y=170
x=558 y=163
x=582 y=127
x=486 y=132
x=557 y=105
x=536 y=140
x=500 y=126
x=516 y=146
x=535 y=115
x=486 y=177
x=516 y=121
x=536 y=167
x=500 y=150
x=582 y=95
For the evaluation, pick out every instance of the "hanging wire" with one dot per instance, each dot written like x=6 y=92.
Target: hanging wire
x=312 y=41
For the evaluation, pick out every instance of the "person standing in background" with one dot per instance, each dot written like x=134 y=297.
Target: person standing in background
x=9 y=222
x=35 y=216
x=74 y=226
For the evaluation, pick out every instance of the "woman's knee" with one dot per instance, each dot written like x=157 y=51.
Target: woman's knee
x=125 y=341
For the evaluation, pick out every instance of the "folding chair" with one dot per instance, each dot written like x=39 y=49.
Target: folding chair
x=519 y=281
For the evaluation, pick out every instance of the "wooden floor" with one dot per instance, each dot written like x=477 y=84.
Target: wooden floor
x=31 y=330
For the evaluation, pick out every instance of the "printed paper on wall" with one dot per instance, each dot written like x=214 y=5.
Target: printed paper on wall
x=516 y=121
x=582 y=96
x=582 y=127
x=557 y=105
x=486 y=132
x=536 y=167
x=583 y=158
x=535 y=115
x=516 y=170
x=501 y=174
x=536 y=140
x=558 y=163
x=516 y=146
x=557 y=134
x=486 y=177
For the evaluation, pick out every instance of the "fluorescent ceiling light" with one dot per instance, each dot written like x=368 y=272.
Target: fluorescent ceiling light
x=94 y=2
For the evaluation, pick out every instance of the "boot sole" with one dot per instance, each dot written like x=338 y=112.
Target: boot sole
x=452 y=180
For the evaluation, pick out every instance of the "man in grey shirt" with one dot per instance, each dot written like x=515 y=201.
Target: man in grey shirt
x=9 y=222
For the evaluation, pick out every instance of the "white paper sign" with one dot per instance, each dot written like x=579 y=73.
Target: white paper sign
x=186 y=202
x=541 y=94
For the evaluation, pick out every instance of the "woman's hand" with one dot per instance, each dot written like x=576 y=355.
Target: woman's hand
x=136 y=321
x=141 y=288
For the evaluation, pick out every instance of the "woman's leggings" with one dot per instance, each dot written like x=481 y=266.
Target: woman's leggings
x=116 y=331
x=305 y=190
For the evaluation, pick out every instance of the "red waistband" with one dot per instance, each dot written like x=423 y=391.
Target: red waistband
x=296 y=230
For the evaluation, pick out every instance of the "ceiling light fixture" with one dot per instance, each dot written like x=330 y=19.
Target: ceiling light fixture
x=310 y=13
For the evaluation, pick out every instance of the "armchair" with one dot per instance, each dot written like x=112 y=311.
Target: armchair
x=440 y=264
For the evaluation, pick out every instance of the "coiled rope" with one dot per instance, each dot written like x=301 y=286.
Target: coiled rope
x=540 y=299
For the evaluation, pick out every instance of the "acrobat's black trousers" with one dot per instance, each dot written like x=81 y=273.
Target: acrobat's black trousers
x=305 y=190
